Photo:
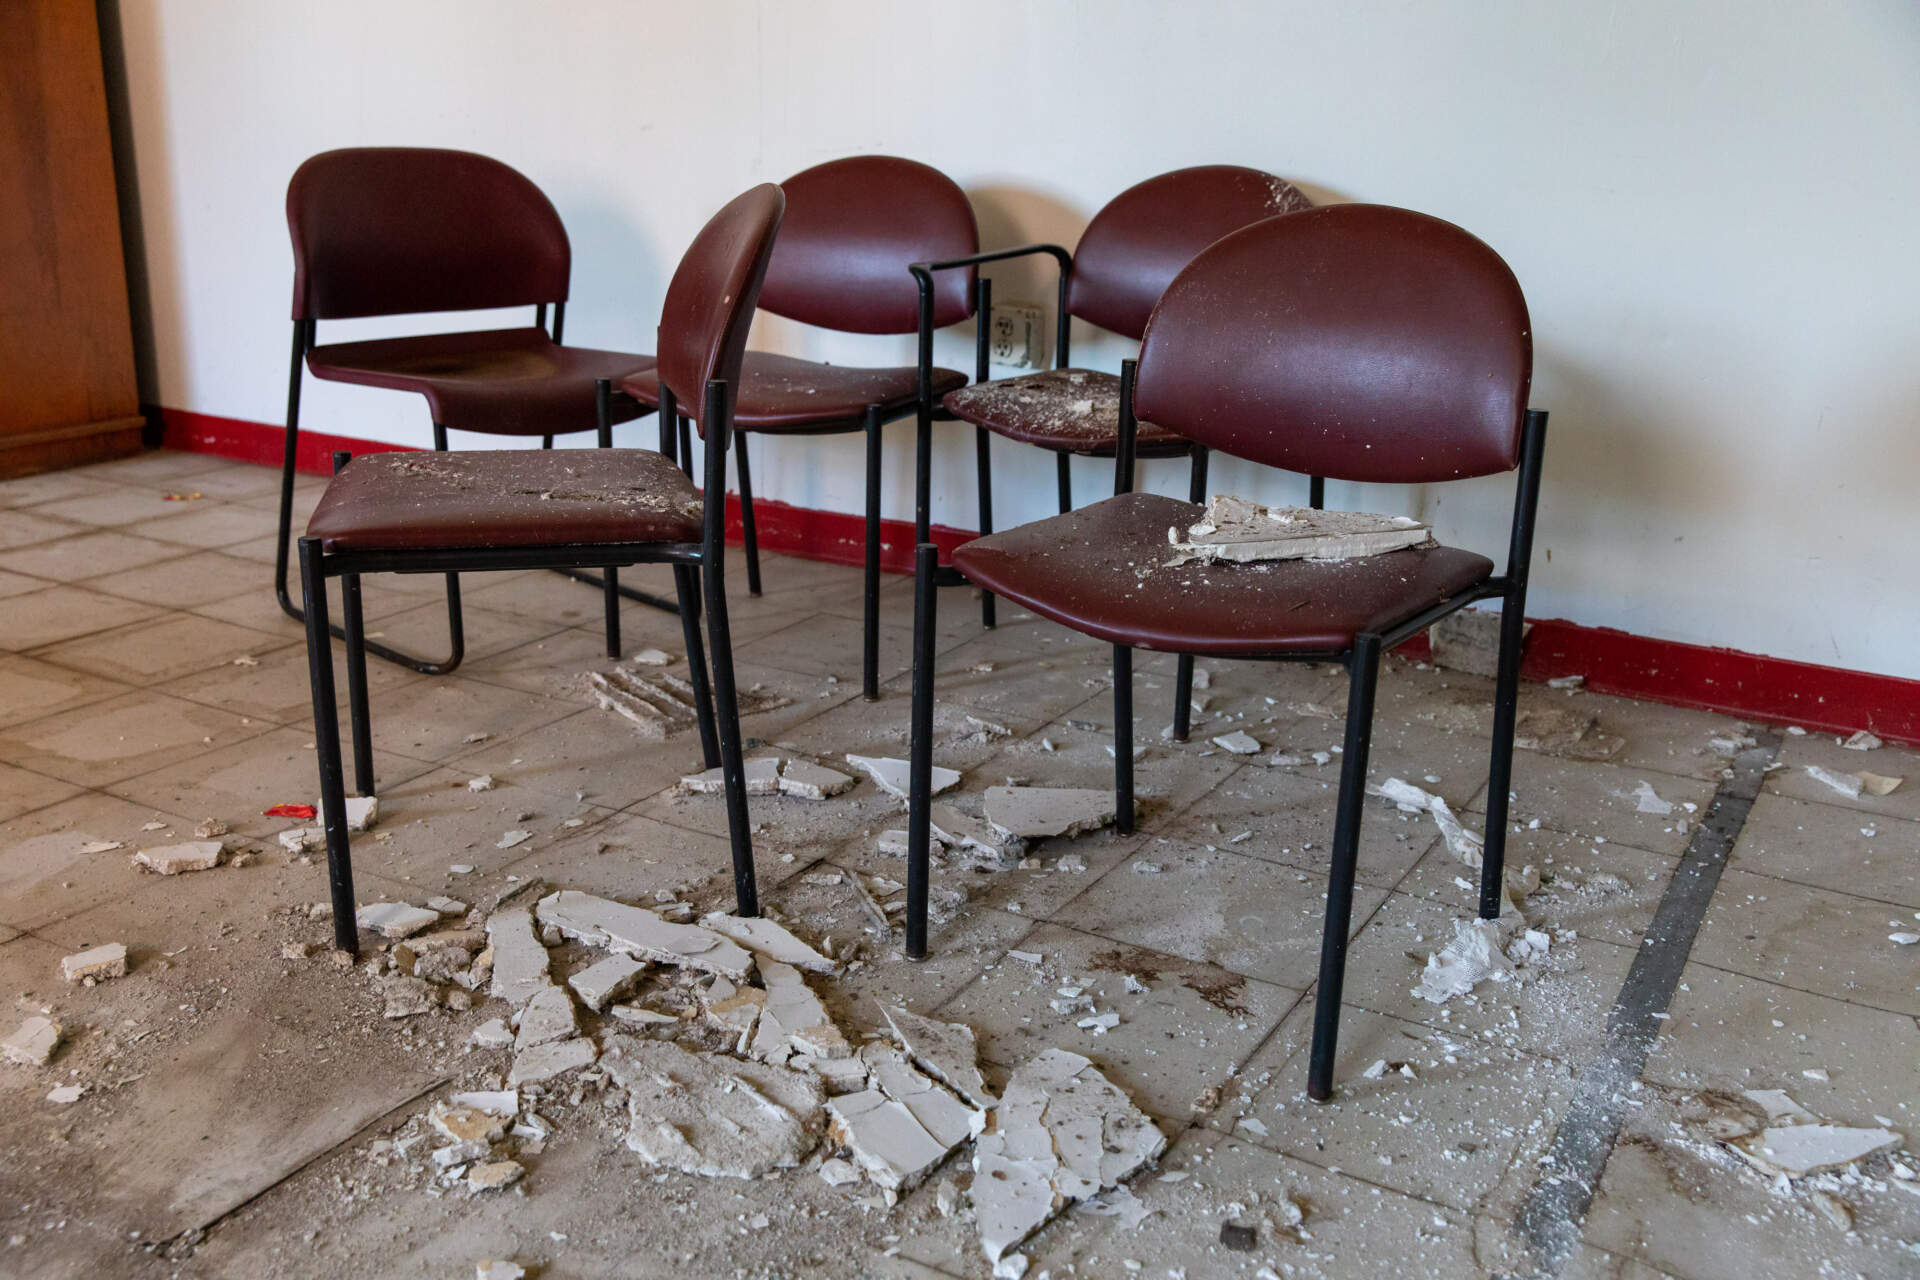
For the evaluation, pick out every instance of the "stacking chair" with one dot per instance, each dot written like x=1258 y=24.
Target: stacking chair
x=385 y=231
x=851 y=228
x=1360 y=342
x=541 y=509
x=1126 y=257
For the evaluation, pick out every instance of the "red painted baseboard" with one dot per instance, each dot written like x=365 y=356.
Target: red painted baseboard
x=1749 y=685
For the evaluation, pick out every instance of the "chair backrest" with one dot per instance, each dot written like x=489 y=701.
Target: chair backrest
x=852 y=226
x=1138 y=243
x=710 y=301
x=381 y=231
x=1354 y=341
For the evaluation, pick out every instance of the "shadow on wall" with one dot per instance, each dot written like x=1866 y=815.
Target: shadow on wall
x=618 y=279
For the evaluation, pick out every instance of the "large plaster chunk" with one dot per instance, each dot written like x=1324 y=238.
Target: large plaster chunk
x=600 y=983
x=33 y=1042
x=792 y=1019
x=548 y=1017
x=946 y=1051
x=519 y=958
x=768 y=941
x=1062 y=1132
x=545 y=1061
x=173 y=859
x=1040 y=812
x=893 y=774
x=903 y=1127
x=639 y=932
x=710 y=1115
x=1240 y=531
x=395 y=919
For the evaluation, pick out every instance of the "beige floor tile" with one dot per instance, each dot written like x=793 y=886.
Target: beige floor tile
x=44 y=873
x=1605 y=891
x=88 y=555
x=274 y=687
x=631 y=858
x=17 y=584
x=31 y=689
x=123 y=504
x=1252 y=917
x=181 y=583
x=1821 y=845
x=237 y=782
x=1558 y=1008
x=217 y=525
x=431 y=717
x=225 y=483
x=155 y=467
x=257 y=607
x=22 y=791
x=996 y=678
x=61 y=613
x=1587 y=799
x=822 y=645
x=121 y=737
x=423 y=629
x=1722 y=1035
x=48 y=486
x=1186 y=1033
x=159 y=649
x=1813 y=939
x=1824 y=750
x=27 y=528
x=1449 y=1134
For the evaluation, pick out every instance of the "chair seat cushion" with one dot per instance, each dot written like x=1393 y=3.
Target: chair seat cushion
x=1066 y=410
x=515 y=382
x=784 y=393
x=1085 y=569
x=506 y=498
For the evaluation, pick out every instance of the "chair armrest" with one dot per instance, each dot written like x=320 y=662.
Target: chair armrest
x=1054 y=251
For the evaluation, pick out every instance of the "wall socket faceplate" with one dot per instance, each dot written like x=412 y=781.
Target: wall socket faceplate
x=1015 y=336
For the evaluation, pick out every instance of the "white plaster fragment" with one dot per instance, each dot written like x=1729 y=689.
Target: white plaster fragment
x=1472 y=957
x=769 y=940
x=704 y=1114
x=947 y=1051
x=808 y=781
x=606 y=980
x=544 y=1062
x=172 y=859
x=1062 y=1133
x=509 y=839
x=1042 y=812
x=640 y=932
x=33 y=1042
x=1235 y=529
x=1646 y=800
x=482 y=783
x=362 y=812
x=96 y=963
x=303 y=839
x=793 y=1020
x=394 y=919
x=519 y=957
x=902 y=1128
x=1862 y=740
x=1239 y=742
x=892 y=775
x=961 y=831
x=762 y=775
x=498 y=1269
x=64 y=1095
x=547 y=1018
x=1462 y=842
x=491 y=1034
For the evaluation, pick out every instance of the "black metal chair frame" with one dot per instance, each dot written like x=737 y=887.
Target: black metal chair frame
x=699 y=569
x=303 y=341
x=1063 y=459
x=1362 y=663
x=871 y=423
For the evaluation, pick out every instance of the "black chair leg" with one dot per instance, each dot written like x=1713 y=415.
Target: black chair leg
x=359 y=714
x=686 y=583
x=1506 y=700
x=983 y=466
x=727 y=708
x=870 y=614
x=926 y=562
x=1183 y=670
x=1123 y=739
x=747 y=530
x=1363 y=671
x=1317 y=492
x=326 y=743
x=1063 y=471
x=686 y=446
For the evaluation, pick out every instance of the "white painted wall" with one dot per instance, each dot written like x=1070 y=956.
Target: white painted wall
x=1712 y=207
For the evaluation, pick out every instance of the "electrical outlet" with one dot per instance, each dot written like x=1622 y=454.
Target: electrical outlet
x=1014 y=338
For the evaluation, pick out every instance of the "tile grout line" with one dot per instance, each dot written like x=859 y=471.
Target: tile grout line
x=1552 y=1217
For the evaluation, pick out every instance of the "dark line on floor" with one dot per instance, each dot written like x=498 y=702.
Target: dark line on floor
x=1555 y=1211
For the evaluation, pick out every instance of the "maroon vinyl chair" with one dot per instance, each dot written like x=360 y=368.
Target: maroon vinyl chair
x=851 y=229
x=544 y=509
x=1361 y=342
x=386 y=231
x=1125 y=260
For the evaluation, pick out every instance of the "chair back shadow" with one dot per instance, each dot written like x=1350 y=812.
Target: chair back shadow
x=1362 y=342
x=387 y=231
x=499 y=509
x=851 y=228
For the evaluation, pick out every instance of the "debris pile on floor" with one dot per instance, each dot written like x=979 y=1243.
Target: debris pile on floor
x=1239 y=531
x=661 y=705
x=1462 y=843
